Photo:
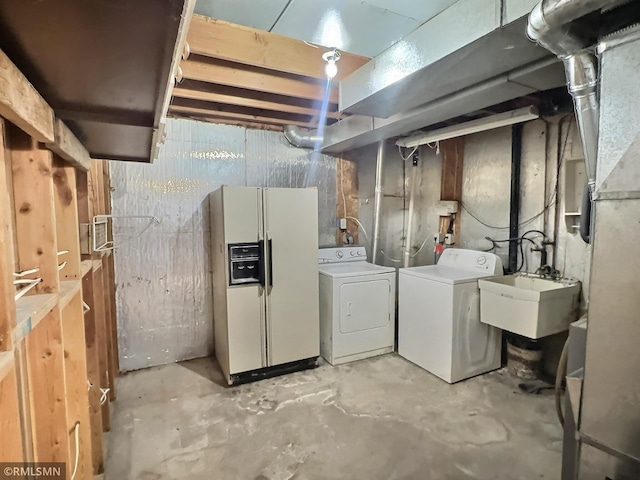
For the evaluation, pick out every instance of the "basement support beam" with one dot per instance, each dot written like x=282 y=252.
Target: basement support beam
x=69 y=148
x=514 y=214
x=22 y=105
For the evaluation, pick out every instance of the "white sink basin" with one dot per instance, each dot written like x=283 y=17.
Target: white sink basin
x=529 y=305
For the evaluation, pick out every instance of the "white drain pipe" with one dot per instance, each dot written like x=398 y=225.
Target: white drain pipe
x=377 y=203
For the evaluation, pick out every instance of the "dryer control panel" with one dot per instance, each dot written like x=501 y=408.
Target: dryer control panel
x=471 y=260
x=348 y=253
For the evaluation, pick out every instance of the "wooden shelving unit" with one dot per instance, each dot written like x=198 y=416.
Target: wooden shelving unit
x=56 y=357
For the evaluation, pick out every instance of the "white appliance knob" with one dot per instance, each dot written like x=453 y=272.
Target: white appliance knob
x=359 y=253
x=339 y=254
x=482 y=260
x=352 y=253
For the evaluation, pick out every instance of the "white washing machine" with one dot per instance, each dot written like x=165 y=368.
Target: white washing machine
x=439 y=326
x=357 y=305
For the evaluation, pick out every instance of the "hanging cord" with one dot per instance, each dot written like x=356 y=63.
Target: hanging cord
x=364 y=231
x=77 y=437
x=561 y=373
x=415 y=149
x=552 y=197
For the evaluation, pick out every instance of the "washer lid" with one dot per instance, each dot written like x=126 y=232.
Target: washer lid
x=444 y=274
x=353 y=269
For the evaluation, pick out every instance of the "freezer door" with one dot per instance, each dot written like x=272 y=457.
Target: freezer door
x=246 y=310
x=291 y=223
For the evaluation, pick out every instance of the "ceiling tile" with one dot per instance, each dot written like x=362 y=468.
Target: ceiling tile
x=260 y=14
x=350 y=25
x=419 y=10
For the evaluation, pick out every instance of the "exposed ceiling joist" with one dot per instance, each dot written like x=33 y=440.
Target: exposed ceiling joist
x=179 y=110
x=179 y=92
x=239 y=75
x=226 y=41
x=226 y=73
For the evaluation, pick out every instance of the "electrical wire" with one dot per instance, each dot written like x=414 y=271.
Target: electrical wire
x=415 y=149
x=364 y=231
x=550 y=202
x=77 y=437
x=394 y=260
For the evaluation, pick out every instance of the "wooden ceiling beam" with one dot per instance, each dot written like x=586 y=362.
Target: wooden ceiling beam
x=179 y=92
x=225 y=73
x=227 y=41
x=178 y=109
x=227 y=121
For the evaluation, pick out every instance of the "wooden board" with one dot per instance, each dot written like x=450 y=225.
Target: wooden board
x=68 y=147
x=111 y=332
x=10 y=428
x=45 y=363
x=30 y=311
x=101 y=339
x=249 y=46
x=22 y=104
x=264 y=104
x=212 y=118
x=69 y=289
x=114 y=317
x=93 y=374
x=66 y=212
x=22 y=377
x=234 y=116
x=6 y=363
x=347 y=184
x=34 y=199
x=451 y=182
x=77 y=399
x=225 y=73
x=7 y=289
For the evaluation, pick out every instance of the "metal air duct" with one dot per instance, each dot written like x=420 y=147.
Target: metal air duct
x=300 y=138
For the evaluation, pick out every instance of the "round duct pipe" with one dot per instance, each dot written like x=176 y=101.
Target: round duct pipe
x=302 y=138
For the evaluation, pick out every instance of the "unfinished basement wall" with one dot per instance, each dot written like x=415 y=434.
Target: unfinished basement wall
x=486 y=195
x=395 y=204
x=164 y=292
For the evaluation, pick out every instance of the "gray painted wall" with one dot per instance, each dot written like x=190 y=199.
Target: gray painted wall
x=163 y=281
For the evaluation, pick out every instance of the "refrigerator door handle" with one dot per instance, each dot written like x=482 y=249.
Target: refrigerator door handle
x=262 y=273
x=270 y=244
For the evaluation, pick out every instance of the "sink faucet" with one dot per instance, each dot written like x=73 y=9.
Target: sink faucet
x=545 y=270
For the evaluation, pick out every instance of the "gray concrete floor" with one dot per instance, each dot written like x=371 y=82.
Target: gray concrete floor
x=382 y=418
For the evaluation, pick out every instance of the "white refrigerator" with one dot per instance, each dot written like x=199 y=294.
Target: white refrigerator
x=265 y=280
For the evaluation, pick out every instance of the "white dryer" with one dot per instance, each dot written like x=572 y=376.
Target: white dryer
x=439 y=326
x=357 y=305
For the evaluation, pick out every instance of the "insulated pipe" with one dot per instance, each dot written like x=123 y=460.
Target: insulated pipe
x=407 y=244
x=296 y=137
x=582 y=79
x=377 y=202
x=549 y=26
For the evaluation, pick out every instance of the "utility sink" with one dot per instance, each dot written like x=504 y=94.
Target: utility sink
x=529 y=305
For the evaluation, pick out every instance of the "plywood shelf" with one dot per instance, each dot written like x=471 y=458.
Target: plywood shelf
x=85 y=267
x=30 y=310
x=6 y=363
x=97 y=265
x=68 y=290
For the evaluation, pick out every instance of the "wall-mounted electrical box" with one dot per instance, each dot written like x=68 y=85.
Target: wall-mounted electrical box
x=444 y=208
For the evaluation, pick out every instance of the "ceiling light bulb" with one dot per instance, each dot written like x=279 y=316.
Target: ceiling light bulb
x=331 y=57
x=331 y=69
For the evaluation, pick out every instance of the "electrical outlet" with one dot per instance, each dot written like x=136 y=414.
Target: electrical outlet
x=448 y=239
x=438 y=237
